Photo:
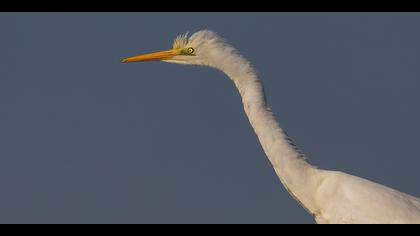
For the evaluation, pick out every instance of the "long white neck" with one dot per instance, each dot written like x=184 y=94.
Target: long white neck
x=295 y=173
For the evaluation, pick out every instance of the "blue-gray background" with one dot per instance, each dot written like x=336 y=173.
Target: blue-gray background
x=86 y=139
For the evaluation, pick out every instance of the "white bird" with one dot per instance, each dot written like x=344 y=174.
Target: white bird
x=330 y=196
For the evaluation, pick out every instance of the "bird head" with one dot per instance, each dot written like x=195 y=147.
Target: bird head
x=204 y=47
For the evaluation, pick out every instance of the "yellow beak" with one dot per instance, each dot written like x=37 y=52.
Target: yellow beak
x=156 y=56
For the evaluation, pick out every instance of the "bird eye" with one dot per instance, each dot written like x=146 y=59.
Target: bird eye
x=190 y=50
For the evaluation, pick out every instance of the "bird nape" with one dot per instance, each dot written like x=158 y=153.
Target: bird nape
x=330 y=196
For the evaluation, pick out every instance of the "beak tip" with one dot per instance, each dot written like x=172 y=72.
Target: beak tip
x=124 y=61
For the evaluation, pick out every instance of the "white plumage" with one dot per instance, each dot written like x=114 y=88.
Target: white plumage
x=330 y=196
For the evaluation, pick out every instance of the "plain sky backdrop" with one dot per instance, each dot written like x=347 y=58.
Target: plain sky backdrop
x=87 y=139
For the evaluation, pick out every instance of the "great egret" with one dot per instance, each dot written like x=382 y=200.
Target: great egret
x=330 y=196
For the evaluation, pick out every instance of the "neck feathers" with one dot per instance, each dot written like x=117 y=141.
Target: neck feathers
x=288 y=162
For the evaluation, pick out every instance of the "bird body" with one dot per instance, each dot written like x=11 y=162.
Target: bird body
x=344 y=198
x=330 y=196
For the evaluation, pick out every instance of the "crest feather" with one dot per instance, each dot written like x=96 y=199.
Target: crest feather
x=181 y=41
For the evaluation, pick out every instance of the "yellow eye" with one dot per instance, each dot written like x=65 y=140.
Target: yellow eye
x=190 y=50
